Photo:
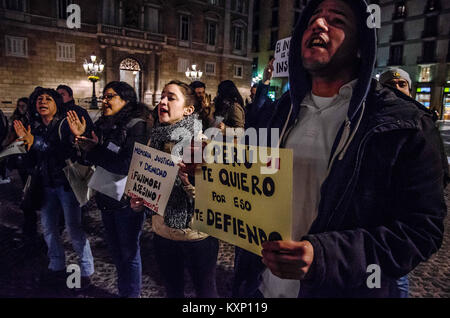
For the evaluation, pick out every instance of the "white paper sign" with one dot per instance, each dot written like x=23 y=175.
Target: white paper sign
x=108 y=183
x=15 y=148
x=151 y=176
x=281 y=65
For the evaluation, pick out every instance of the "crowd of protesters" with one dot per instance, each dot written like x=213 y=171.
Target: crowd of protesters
x=369 y=173
x=54 y=129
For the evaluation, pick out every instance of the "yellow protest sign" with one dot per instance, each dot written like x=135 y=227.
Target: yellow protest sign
x=242 y=202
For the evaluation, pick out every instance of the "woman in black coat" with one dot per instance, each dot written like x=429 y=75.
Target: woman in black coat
x=123 y=122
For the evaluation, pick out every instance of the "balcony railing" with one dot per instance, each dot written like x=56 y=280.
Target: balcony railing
x=132 y=33
x=89 y=28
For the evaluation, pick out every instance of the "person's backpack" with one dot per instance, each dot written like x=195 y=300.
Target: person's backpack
x=4 y=127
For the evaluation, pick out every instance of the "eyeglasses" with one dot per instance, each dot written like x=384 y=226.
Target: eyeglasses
x=108 y=96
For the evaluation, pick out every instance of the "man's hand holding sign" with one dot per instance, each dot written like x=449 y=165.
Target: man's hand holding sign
x=288 y=259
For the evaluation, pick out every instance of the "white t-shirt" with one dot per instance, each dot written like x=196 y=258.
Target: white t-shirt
x=311 y=140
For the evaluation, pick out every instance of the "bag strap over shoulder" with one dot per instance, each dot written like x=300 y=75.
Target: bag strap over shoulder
x=133 y=122
x=59 y=128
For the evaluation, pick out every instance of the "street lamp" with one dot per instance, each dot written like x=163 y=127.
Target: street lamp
x=193 y=74
x=93 y=69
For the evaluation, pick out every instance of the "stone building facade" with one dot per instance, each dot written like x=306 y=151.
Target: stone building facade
x=415 y=36
x=144 y=42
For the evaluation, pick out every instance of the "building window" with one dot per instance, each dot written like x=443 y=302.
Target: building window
x=131 y=14
x=16 y=5
x=184 y=28
x=275 y=21
x=397 y=32
x=237 y=5
x=211 y=34
x=255 y=42
x=432 y=5
x=256 y=6
x=396 y=55
x=62 y=8
x=431 y=26
x=183 y=65
x=273 y=39
x=448 y=53
x=400 y=10
x=152 y=19
x=240 y=6
x=238 y=71
x=428 y=52
x=109 y=12
x=238 y=38
x=425 y=74
x=65 y=52
x=16 y=46
x=210 y=68
x=255 y=22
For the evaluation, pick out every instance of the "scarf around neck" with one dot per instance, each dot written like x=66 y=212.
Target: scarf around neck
x=180 y=207
x=185 y=129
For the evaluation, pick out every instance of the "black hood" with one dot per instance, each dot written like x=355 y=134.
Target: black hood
x=299 y=80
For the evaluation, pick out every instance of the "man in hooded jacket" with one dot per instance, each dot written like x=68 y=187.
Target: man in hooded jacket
x=368 y=169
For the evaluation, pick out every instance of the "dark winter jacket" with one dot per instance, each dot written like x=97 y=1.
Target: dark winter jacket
x=117 y=135
x=3 y=128
x=383 y=199
x=50 y=150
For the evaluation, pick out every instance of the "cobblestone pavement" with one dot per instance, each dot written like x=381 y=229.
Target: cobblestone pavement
x=19 y=270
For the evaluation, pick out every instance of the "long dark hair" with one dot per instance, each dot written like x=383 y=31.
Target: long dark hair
x=227 y=95
x=133 y=108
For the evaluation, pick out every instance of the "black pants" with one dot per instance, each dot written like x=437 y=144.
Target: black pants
x=200 y=257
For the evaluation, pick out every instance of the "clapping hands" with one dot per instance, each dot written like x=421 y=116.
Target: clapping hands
x=76 y=126
x=24 y=134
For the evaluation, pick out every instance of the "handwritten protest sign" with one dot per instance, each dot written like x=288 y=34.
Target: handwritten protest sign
x=151 y=177
x=239 y=204
x=281 y=65
x=15 y=148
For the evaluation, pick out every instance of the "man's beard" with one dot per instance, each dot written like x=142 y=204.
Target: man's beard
x=331 y=67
